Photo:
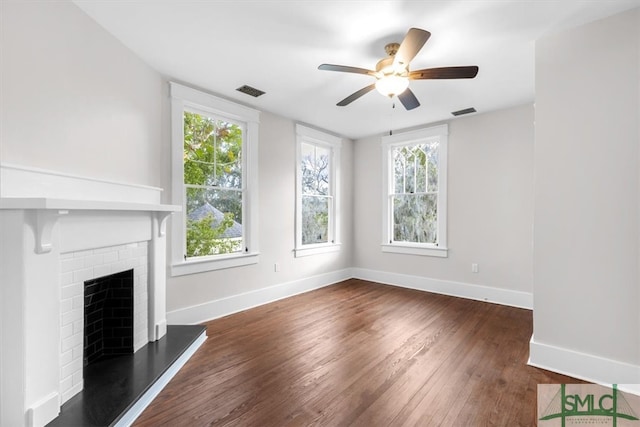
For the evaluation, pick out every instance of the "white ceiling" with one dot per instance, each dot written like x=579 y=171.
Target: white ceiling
x=276 y=46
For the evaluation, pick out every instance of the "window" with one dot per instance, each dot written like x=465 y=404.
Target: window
x=317 y=202
x=415 y=192
x=214 y=174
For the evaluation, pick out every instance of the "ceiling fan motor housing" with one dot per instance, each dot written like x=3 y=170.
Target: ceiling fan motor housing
x=385 y=67
x=392 y=48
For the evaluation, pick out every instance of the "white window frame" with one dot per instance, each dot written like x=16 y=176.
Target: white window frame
x=311 y=136
x=185 y=98
x=436 y=133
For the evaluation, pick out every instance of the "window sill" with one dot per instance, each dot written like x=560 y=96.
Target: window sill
x=416 y=250
x=317 y=249
x=212 y=264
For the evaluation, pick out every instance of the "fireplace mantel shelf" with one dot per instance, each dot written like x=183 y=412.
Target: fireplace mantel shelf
x=45 y=203
x=48 y=210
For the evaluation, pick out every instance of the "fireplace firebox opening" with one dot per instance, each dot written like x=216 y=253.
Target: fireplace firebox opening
x=108 y=317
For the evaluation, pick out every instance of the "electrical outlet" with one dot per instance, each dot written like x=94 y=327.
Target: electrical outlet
x=276 y=267
x=474 y=268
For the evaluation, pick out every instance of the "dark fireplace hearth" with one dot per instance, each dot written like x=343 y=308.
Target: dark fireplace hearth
x=108 y=316
x=114 y=387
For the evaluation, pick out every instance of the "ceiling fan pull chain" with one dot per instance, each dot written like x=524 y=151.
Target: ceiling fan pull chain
x=393 y=107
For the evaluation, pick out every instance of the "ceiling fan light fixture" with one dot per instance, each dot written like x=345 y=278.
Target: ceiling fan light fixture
x=392 y=84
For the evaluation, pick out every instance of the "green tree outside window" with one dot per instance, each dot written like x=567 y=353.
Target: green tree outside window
x=213 y=185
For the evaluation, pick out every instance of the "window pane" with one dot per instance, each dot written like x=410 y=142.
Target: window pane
x=415 y=168
x=398 y=171
x=212 y=152
x=315 y=170
x=432 y=158
x=421 y=168
x=315 y=219
x=410 y=170
x=228 y=155
x=415 y=218
x=322 y=168
x=214 y=221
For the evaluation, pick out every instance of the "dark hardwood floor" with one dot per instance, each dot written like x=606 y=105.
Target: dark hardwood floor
x=363 y=354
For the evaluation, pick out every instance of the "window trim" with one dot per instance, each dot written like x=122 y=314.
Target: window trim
x=439 y=133
x=183 y=97
x=308 y=135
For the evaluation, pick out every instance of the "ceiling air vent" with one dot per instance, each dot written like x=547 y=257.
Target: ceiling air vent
x=250 y=91
x=465 y=111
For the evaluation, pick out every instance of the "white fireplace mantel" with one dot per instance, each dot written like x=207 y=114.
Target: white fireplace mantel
x=49 y=210
x=46 y=203
x=44 y=217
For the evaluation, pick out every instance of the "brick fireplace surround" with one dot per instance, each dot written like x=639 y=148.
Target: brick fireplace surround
x=58 y=231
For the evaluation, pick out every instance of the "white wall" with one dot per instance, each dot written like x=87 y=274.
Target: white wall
x=586 y=217
x=74 y=99
x=276 y=235
x=490 y=205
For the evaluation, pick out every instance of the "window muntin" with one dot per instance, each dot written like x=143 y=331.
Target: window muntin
x=317 y=207
x=415 y=202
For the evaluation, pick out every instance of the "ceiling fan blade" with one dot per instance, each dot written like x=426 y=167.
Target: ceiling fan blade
x=349 y=99
x=408 y=99
x=346 y=69
x=411 y=45
x=468 y=72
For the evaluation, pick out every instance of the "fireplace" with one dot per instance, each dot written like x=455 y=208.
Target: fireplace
x=88 y=266
x=60 y=231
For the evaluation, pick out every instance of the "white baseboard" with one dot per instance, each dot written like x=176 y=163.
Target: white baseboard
x=44 y=411
x=141 y=404
x=446 y=287
x=233 y=304
x=584 y=366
